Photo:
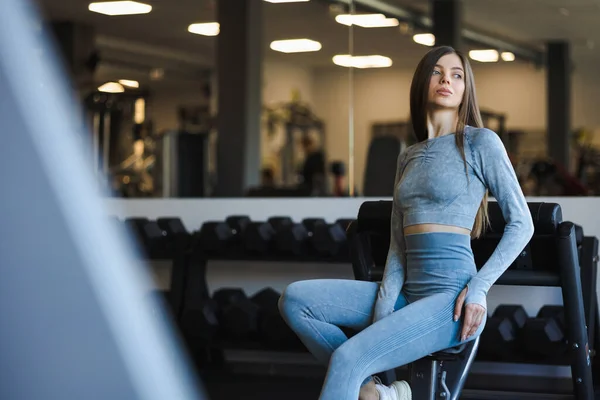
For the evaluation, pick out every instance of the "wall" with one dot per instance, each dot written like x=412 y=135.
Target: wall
x=254 y=276
x=165 y=102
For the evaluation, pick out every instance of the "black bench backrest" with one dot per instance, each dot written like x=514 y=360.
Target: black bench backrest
x=372 y=238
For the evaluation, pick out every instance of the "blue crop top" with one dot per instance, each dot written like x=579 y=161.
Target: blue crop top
x=432 y=187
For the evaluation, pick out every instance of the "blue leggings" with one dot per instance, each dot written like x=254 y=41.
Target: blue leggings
x=439 y=266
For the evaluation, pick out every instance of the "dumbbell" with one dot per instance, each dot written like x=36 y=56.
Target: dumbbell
x=272 y=329
x=200 y=323
x=295 y=239
x=149 y=236
x=544 y=335
x=220 y=237
x=330 y=239
x=500 y=340
x=238 y=316
x=260 y=237
x=177 y=236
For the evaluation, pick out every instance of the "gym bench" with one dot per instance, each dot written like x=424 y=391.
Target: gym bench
x=551 y=258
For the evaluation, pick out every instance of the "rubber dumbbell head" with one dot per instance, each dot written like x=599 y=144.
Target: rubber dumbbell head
x=258 y=237
x=329 y=239
x=272 y=329
x=501 y=338
x=292 y=240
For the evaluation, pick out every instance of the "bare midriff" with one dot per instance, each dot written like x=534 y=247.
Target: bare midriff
x=424 y=228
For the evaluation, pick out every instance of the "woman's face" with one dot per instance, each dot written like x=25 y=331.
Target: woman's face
x=447 y=84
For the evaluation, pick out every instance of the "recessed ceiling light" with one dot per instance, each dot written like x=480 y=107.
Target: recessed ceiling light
x=286 y=1
x=129 y=83
x=205 y=28
x=372 y=61
x=507 y=56
x=111 y=87
x=295 y=45
x=426 y=39
x=564 y=11
x=484 y=55
x=366 y=20
x=120 y=8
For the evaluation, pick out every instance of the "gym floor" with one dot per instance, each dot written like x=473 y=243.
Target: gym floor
x=250 y=387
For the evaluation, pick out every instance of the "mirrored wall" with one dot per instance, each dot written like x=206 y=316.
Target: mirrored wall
x=330 y=111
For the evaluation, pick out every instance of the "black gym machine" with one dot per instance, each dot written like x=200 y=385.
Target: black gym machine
x=557 y=256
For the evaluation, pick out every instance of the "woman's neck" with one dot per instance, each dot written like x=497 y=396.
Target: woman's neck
x=441 y=122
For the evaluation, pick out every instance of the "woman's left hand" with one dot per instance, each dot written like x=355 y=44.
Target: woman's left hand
x=474 y=314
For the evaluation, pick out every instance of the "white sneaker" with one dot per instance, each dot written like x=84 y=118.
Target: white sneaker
x=399 y=390
x=402 y=389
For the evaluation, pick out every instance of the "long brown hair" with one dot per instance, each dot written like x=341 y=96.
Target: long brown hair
x=468 y=114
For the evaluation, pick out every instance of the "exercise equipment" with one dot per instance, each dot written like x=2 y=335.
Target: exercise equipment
x=159 y=239
x=555 y=262
x=238 y=316
x=329 y=239
x=185 y=164
x=201 y=323
x=220 y=237
x=380 y=170
x=288 y=123
x=259 y=237
x=273 y=332
x=500 y=338
x=243 y=319
x=544 y=336
x=292 y=240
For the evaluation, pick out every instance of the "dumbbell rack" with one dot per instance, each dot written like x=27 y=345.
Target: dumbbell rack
x=579 y=273
x=244 y=355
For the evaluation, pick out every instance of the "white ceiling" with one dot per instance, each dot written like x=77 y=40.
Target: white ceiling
x=165 y=29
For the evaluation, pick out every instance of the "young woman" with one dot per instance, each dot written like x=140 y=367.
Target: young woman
x=431 y=297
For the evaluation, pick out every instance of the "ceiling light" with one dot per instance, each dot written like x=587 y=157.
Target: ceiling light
x=484 y=55
x=372 y=61
x=111 y=87
x=120 y=8
x=129 y=83
x=206 y=29
x=286 y=1
x=564 y=11
x=508 y=56
x=366 y=20
x=295 y=45
x=426 y=39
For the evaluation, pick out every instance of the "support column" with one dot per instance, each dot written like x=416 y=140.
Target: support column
x=76 y=44
x=558 y=87
x=447 y=22
x=239 y=70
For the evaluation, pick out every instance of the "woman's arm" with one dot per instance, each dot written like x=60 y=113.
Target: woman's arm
x=395 y=264
x=500 y=179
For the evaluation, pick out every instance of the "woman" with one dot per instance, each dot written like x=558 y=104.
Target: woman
x=431 y=297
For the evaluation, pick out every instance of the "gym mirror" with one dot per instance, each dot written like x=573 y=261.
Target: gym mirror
x=150 y=79
x=512 y=91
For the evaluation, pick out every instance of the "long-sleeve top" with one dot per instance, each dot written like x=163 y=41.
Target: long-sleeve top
x=433 y=187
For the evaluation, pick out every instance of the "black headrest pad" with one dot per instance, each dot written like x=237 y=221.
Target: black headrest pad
x=546 y=217
x=374 y=216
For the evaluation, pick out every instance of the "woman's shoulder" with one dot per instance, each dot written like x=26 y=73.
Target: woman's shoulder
x=483 y=139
